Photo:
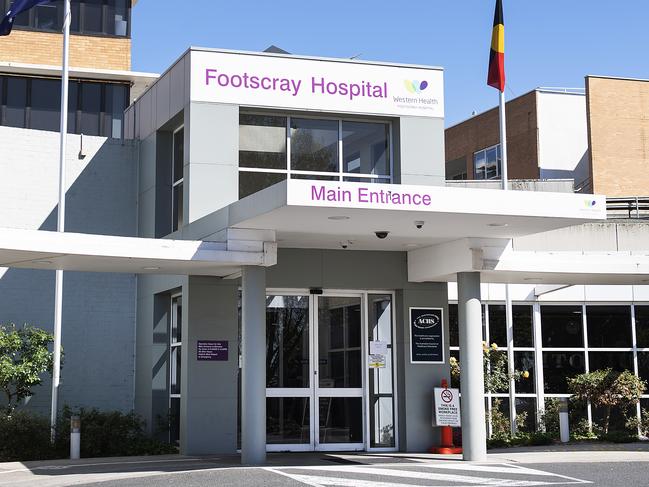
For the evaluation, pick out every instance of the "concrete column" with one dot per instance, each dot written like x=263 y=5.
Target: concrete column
x=253 y=365
x=474 y=438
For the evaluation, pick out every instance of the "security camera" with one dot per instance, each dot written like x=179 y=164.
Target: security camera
x=344 y=245
x=419 y=224
x=381 y=234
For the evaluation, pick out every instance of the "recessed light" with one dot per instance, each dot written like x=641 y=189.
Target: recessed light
x=498 y=224
x=538 y=279
x=411 y=245
x=338 y=217
x=151 y=268
x=42 y=261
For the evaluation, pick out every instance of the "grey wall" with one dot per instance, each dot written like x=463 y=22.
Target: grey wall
x=421 y=146
x=208 y=404
x=98 y=309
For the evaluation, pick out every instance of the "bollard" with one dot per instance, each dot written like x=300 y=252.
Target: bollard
x=75 y=437
x=564 y=423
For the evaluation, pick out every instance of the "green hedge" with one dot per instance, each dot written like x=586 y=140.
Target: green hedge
x=26 y=436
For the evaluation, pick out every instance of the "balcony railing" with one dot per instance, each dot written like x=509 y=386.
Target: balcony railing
x=545 y=185
x=630 y=207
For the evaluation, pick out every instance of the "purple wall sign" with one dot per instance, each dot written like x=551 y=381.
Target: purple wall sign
x=212 y=350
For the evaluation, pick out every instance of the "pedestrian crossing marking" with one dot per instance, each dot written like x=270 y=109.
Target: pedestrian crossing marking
x=435 y=474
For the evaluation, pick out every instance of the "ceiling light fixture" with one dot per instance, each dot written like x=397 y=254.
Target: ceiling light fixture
x=42 y=261
x=498 y=224
x=338 y=217
x=151 y=268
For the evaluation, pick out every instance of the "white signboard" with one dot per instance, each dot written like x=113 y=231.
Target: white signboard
x=446 y=407
x=311 y=84
x=378 y=347
x=336 y=194
x=376 y=361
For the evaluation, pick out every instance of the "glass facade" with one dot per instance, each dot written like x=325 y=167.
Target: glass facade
x=554 y=342
x=95 y=108
x=175 y=356
x=89 y=17
x=273 y=148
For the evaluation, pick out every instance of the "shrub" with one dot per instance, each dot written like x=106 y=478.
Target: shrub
x=619 y=437
x=108 y=434
x=24 y=436
x=642 y=424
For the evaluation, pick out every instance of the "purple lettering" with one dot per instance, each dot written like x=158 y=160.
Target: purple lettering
x=362 y=195
x=426 y=200
x=317 y=194
x=238 y=79
x=209 y=76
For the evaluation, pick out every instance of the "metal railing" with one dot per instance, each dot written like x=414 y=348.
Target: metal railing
x=630 y=207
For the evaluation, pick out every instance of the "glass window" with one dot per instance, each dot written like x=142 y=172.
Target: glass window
x=619 y=361
x=251 y=182
x=287 y=341
x=16 y=102
x=177 y=207
x=522 y=324
x=287 y=420
x=526 y=406
x=262 y=141
x=557 y=367
x=380 y=386
x=365 y=148
x=524 y=361
x=176 y=361
x=314 y=145
x=643 y=365
x=609 y=326
x=73 y=105
x=92 y=16
x=497 y=325
x=46 y=17
x=455 y=381
x=178 y=155
x=561 y=326
x=453 y=326
x=116 y=102
x=117 y=14
x=642 y=326
x=341 y=419
x=45 y=104
x=174 y=421
x=90 y=108
x=486 y=163
x=176 y=319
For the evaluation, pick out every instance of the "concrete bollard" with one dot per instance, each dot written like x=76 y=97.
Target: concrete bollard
x=75 y=437
x=564 y=423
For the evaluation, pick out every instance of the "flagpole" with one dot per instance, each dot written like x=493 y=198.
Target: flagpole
x=60 y=227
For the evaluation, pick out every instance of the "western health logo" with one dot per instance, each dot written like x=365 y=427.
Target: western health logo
x=589 y=203
x=415 y=86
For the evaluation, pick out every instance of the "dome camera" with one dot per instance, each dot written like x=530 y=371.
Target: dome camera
x=381 y=234
x=419 y=224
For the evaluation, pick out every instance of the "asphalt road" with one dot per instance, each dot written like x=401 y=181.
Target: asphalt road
x=531 y=468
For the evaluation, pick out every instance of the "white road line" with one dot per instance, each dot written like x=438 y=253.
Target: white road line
x=494 y=468
x=574 y=479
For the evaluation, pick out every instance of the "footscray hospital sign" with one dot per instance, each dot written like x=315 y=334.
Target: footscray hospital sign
x=264 y=80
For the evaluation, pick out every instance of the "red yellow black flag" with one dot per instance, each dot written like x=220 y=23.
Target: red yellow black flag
x=496 y=76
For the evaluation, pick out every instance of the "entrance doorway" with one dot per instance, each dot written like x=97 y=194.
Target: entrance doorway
x=321 y=394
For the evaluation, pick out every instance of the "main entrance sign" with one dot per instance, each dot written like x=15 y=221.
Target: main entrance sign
x=263 y=80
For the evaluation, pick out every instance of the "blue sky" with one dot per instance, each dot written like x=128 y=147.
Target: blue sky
x=548 y=43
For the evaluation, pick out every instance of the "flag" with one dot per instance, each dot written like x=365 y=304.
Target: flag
x=17 y=7
x=496 y=76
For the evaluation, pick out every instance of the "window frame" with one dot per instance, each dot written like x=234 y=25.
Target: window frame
x=338 y=175
x=498 y=163
x=176 y=219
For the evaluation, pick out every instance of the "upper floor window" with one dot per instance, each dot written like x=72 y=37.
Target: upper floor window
x=101 y=17
x=94 y=108
x=486 y=163
x=273 y=148
x=177 y=167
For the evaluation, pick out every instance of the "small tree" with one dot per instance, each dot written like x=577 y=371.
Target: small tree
x=608 y=389
x=24 y=356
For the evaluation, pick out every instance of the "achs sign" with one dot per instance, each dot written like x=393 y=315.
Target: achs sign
x=426 y=336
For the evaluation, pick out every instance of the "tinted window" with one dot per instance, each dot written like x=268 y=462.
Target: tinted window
x=314 y=145
x=262 y=141
x=92 y=19
x=558 y=366
x=251 y=182
x=561 y=326
x=178 y=155
x=523 y=327
x=116 y=101
x=16 y=102
x=45 y=113
x=609 y=326
x=497 y=325
x=46 y=17
x=90 y=108
x=365 y=148
x=619 y=361
x=453 y=326
x=642 y=326
x=524 y=362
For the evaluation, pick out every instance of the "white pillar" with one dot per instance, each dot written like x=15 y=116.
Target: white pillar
x=253 y=365
x=474 y=437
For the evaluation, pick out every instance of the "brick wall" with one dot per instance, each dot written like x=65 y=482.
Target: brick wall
x=618 y=133
x=482 y=131
x=85 y=51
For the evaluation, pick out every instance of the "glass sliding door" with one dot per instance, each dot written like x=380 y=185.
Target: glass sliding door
x=339 y=372
x=288 y=373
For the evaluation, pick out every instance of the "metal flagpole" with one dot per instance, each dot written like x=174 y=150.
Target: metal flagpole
x=58 y=292
x=508 y=300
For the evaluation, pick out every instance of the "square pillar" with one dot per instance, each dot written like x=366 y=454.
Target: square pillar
x=474 y=436
x=253 y=365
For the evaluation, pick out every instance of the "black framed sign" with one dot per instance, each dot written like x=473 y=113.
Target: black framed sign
x=426 y=336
